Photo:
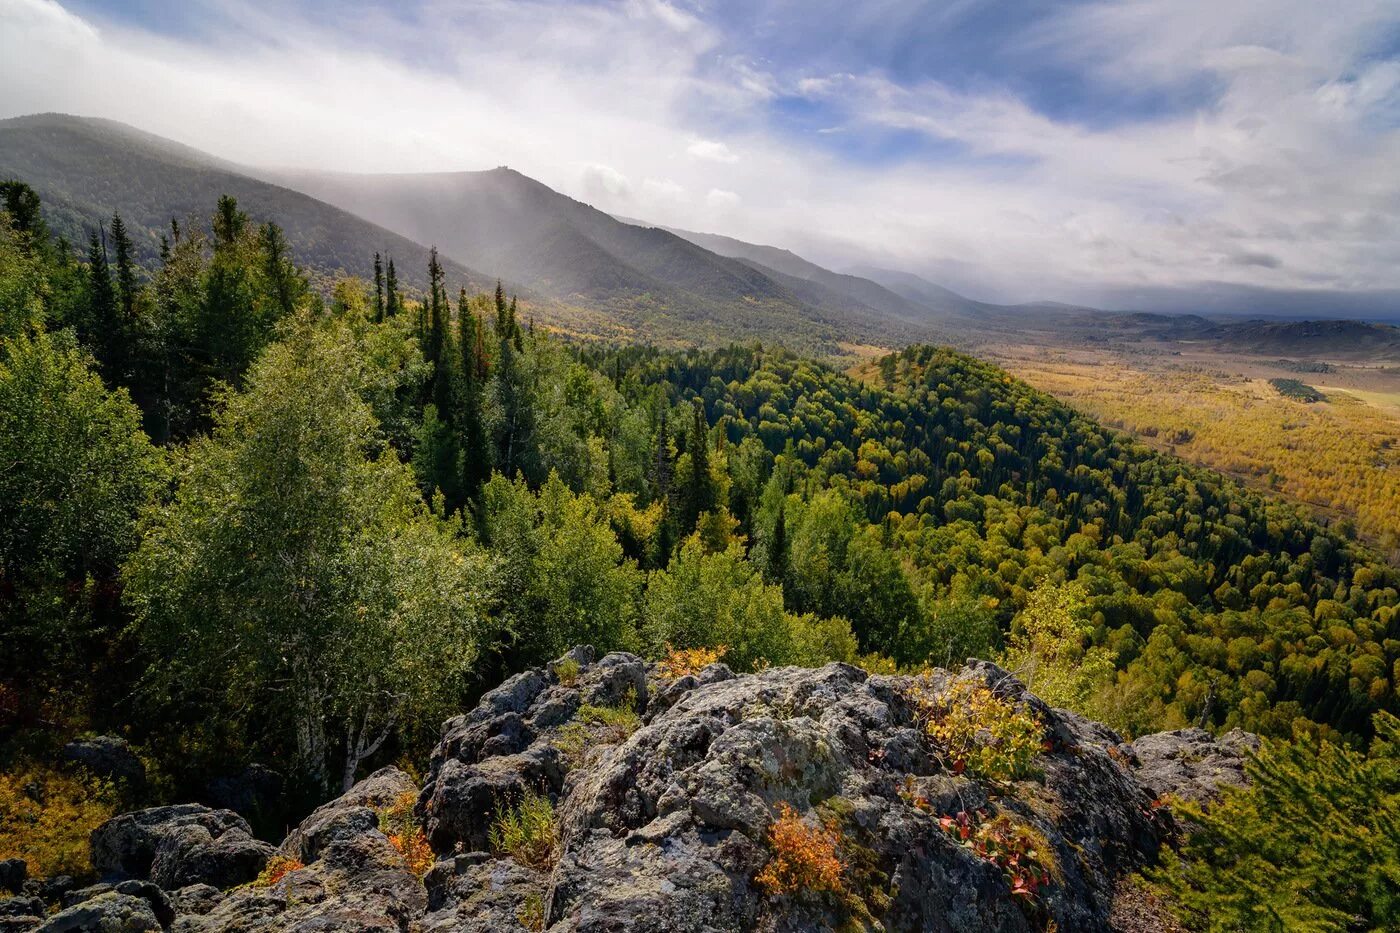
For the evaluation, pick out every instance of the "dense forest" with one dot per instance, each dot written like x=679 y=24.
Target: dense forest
x=247 y=520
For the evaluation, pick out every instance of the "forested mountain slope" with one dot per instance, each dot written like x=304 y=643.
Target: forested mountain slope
x=85 y=170
x=654 y=282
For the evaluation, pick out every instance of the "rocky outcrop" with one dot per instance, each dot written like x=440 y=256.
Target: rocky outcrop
x=1191 y=764
x=178 y=846
x=665 y=791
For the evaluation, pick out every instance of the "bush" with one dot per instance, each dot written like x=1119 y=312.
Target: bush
x=979 y=731
x=804 y=856
x=398 y=823
x=46 y=817
x=527 y=831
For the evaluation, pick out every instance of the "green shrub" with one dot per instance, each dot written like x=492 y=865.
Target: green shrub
x=527 y=831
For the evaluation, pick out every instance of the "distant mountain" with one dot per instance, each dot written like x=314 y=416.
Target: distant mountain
x=654 y=282
x=923 y=292
x=85 y=169
x=850 y=287
x=1355 y=341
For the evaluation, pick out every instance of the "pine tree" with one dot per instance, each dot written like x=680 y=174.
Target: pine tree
x=436 y=348
x=502 y=322
x=1312 y=844
x=471 y=377
x=285 y=281
x=378 y=289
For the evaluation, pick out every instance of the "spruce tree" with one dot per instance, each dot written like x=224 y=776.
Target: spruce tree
x=471 y=378
x=699 y=496
x=378 y=289
x=126 y=271
x=392 y=302
x=103 y=330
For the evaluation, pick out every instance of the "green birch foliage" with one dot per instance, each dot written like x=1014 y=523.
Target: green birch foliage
x=297 y=570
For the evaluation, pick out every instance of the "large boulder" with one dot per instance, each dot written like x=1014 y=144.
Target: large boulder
x=109 y=912
x=1191 y=764
x=179 y=845
x=352 y=814
x=353 y=879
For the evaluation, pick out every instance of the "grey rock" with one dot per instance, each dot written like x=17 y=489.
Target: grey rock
x=472 y=895
x=126 y=846
x=111 y=912
x=358 y=885
x=22 y=907
x=462 y=800
x=1191 y=764
x=350 y=815
x=192 y=854
x=196 y=899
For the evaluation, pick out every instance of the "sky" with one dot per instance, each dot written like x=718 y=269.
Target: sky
x=1176 y=154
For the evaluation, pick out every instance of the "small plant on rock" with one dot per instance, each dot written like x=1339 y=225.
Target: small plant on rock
x=277 y=868
x=1020 y=850
x=567 y=671
x=531 y=912
x=804 y=856
x=527 y=831
x=678 y=662
x=979 y=731
x=397 y=822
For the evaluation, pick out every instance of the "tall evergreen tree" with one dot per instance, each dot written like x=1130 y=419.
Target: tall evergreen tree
x=699 y=495
x=392 y=302
x=502 y=322
x=471 y=379
x=378 y=289
x=103 y=328
x=285 y=281
x=126 y=271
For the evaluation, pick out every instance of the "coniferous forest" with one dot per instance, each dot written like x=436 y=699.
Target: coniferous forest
x=248 y=519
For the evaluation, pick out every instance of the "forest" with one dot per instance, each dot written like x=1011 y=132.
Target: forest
x=249 y=520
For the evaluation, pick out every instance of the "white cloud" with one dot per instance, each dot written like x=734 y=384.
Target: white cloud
x=713 y=150
x=1284 y=176
x=720 y=199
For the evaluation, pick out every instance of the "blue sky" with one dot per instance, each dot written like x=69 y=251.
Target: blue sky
x=1080 y=150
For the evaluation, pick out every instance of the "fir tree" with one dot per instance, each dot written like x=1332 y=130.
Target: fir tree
x=699 y=495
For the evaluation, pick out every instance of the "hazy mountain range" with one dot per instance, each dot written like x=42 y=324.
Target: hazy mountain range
x=576 y=267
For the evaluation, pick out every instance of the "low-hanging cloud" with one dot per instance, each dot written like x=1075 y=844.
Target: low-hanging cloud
x=1280 y=174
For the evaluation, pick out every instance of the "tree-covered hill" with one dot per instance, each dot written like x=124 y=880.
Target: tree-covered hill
x=85 y=170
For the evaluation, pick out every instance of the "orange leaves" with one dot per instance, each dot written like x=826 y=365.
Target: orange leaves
x=397 y=822
x=804 y=856
x=277 y=868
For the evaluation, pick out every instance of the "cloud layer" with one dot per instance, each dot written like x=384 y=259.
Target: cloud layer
x=1091 y=151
